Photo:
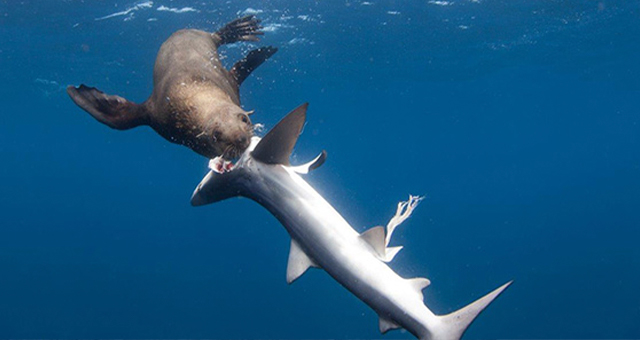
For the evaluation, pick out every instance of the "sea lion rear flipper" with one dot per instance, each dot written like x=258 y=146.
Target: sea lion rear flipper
x=241 y=70
x=114 y=111
x=243 y=29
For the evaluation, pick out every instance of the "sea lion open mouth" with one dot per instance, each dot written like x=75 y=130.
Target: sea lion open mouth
x=232 y=152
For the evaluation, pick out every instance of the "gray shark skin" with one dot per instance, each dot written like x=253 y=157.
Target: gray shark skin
x=320 y=236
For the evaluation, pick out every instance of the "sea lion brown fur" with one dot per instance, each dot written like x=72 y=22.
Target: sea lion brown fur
x=195 y=100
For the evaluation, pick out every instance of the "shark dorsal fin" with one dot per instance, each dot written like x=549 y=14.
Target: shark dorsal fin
x=276 y=146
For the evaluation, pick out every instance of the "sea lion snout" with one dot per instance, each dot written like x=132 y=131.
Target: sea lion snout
x=236 y=145
x=242 y=136
x=230 y=134
x=242 y=141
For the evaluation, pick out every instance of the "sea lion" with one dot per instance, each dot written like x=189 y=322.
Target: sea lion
x=195 y=100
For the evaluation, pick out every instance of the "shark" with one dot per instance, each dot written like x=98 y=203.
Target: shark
x=322 y=238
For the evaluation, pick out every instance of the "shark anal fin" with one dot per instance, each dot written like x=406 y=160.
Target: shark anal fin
x=419 y=283
x=299 y=262
x=277 y=145
x=387 y=325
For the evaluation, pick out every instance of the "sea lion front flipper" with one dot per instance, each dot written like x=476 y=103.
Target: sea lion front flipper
x=241 y=70
x=114 y=111
x=243 y=29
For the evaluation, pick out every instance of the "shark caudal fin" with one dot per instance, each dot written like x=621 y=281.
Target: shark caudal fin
x=277 y=145
x=454 y=325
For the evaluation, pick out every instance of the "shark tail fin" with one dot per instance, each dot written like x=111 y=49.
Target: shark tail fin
x=455 y=324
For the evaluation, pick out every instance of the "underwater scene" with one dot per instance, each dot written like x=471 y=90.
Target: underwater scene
x=515 y=124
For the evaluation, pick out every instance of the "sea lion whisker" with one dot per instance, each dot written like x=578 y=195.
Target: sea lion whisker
x=226 y=151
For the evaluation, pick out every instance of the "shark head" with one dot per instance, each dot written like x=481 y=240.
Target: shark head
x=274 y=148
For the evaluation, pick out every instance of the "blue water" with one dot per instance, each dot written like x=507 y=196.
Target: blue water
x=518 y=120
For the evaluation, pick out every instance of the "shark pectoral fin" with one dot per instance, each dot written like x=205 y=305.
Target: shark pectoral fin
x=375 y=238
x=314 y=164
x=277 y=145
x=387 y=325
x=419 y=283
x=299 y=262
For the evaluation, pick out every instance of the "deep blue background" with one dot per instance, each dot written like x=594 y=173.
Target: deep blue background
x=519 y=121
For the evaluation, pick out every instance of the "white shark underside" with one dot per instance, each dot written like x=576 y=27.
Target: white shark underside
x=320 y=237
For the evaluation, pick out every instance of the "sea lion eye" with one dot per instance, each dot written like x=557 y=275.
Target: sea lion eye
x=244 y=118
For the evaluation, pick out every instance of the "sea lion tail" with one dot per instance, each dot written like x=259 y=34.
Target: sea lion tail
x=243 y=29
x=114 y=111
x=241 y=70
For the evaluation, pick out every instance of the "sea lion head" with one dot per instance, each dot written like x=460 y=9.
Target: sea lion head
x=226 y=132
